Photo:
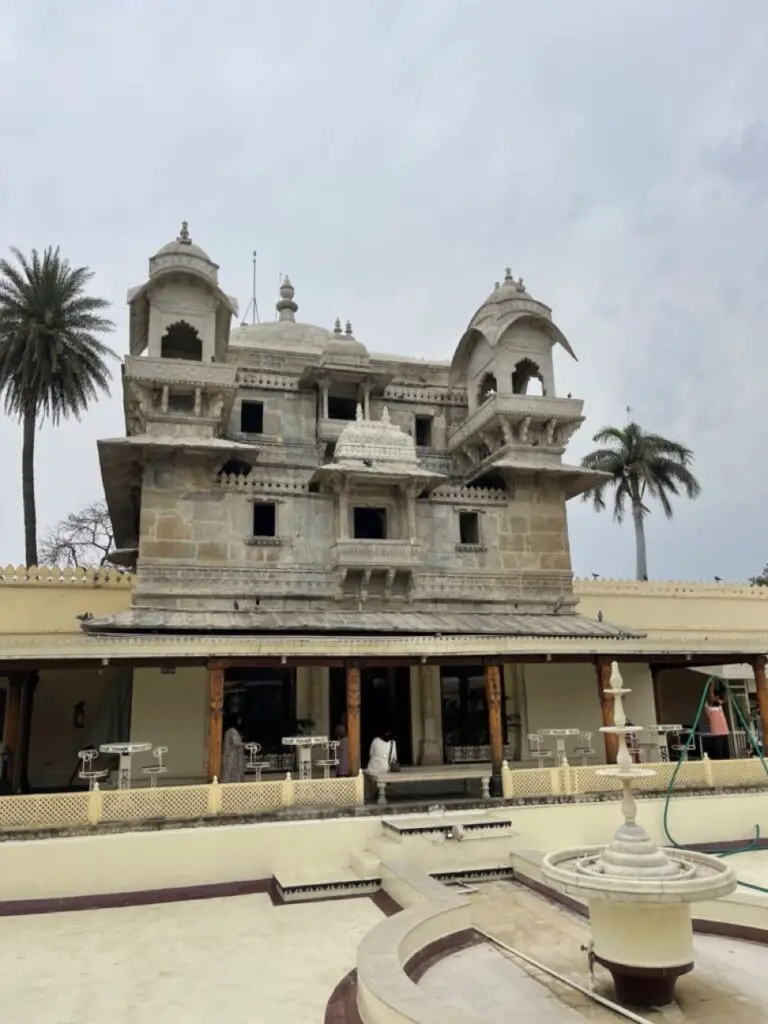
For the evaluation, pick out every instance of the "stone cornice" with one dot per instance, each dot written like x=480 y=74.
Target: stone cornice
x=78 y=646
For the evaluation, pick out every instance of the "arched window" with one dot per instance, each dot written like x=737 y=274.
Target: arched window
x=181 y=341
x=487 y=388
x=527 y=378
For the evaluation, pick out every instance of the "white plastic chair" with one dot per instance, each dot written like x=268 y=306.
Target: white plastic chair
x=252 y=765
x=535 y=741
x=585 y=749
x=331 y=761
x=91 y=775
x=154 y=770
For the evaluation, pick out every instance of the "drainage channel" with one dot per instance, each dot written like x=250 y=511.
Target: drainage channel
x=621 y=1011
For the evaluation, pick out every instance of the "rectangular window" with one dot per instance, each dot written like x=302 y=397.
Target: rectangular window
x=264 y=519
x=252 y=418
x=181 y=403
x=469 y=528
x=370 y=523
x=423 y=432
x=341 y=408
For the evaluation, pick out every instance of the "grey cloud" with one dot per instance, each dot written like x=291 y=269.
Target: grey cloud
x=394 y=157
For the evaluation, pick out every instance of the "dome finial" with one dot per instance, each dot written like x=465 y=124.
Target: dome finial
x=285 y=306
x=337 y=326
x=508 y=274
x=183 y=236
x=348 y=328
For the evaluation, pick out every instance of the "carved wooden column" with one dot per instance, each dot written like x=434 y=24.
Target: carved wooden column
x=353 y=718
x=495 y=731
x=215 y=723
x=603 y=668
x=761 y=687
x=11 y=729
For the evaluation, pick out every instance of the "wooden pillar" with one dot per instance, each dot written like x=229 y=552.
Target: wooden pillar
x=215 y=723
x=11 y=729
x=603 y=667
x=761 y=687
x=353 y=718
x=656 y=684
x=493 y=700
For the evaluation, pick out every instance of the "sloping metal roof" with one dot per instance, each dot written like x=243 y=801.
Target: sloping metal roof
x=349 y=622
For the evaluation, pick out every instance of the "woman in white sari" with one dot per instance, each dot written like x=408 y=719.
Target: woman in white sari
x=233 y=766
x=383 y=754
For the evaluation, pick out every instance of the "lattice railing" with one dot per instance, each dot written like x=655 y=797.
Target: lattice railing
x=48 y=810
x=341 y=792
x=573 y=780
x=252 y=797
x=175 y=803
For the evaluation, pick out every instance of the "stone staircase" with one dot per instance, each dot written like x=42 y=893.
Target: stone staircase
x=453 y=847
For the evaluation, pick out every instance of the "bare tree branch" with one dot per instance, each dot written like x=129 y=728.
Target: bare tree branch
x=84 y=538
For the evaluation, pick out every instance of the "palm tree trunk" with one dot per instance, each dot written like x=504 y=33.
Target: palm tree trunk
x=642 y=557
x=28 y=486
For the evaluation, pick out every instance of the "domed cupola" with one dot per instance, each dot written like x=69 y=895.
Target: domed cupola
x=180 y=312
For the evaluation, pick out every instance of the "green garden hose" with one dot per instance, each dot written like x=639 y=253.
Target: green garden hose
x=755 y=843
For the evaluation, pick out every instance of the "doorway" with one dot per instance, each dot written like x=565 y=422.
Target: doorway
x=385 y=703
x=264 y=699
x=465 y=711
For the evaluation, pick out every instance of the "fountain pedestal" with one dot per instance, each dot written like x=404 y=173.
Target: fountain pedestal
x=639 y=895
x=646 y=948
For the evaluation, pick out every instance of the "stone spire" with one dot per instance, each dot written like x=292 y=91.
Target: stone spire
x=183 y=235
x=285 y=306
x=337 y=326
x=348 y=328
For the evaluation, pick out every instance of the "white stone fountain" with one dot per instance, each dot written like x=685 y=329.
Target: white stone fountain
x=639 y=895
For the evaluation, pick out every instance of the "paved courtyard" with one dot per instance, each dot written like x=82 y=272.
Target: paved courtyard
x=728 y=983
x=239 y=960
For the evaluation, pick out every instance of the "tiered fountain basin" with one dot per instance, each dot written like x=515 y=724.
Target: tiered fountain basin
x=639 y=895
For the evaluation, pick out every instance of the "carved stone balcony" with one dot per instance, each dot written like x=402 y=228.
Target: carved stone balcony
x=177 y=396
x=375 y=555
x=514 y=415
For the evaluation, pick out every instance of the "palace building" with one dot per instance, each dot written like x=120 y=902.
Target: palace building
x=310 y=529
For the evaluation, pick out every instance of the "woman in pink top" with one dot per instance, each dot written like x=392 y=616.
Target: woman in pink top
x=718 y=726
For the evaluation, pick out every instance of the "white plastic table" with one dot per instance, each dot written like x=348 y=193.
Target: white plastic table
x=303 y=746
x=126 y=752
x=560 y=736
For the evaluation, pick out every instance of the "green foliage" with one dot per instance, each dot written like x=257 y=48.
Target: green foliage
x=50 y=358
x=640 y=466
x=761 y=580
x=52 y=363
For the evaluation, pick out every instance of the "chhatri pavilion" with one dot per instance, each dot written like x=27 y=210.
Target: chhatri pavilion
x=308 y=529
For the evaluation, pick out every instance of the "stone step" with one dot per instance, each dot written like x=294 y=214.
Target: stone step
x=365 y=864
x=470 y=825
x=435 y=851
x=294 y=886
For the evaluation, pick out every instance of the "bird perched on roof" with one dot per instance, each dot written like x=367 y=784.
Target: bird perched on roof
x=85 y=617
x=599 y=614
x=558 y=605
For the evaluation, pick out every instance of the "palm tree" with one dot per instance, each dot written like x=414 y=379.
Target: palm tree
x=52 y=363
x=640 y=466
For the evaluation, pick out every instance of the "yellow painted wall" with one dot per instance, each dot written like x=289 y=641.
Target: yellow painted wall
x=668 y=608
x=51 y=602
x=171 y=711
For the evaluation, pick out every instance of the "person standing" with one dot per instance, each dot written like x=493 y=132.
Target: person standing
x=718 y=726
x=233 y=766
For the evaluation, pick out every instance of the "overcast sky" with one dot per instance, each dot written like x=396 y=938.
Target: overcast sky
x=394 y=156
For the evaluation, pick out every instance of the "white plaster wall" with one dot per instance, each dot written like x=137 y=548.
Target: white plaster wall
x=172 y=711
x=137 y=861
x=566 y=696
